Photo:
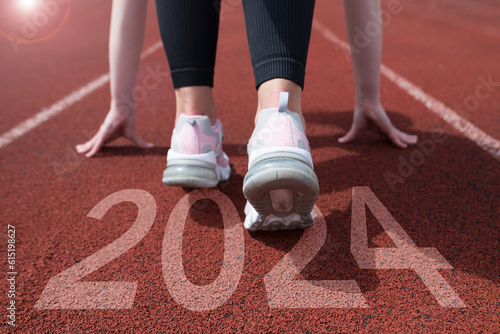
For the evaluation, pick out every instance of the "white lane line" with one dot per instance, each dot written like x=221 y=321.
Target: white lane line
x=47 y=113
x=450 y=116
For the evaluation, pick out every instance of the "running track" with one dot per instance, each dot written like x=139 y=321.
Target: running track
x=438 y=273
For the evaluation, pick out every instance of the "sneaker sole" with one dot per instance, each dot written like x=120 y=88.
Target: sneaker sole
x=193 y=173
x=190 y=176
x=281 y=173
x=273 y=223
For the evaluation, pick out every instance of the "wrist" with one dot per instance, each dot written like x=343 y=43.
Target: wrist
x=122 y=108
x=368 y=101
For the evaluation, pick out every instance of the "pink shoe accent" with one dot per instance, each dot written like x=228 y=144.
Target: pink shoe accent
x=192 y=140
x=195 y=158
x=222 y=161
x=280 y=130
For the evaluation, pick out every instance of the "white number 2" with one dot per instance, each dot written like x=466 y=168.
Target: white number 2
x=284 y=292
x=65 y=292
x=425 y=261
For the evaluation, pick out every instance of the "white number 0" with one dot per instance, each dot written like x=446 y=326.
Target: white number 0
x=213 y=295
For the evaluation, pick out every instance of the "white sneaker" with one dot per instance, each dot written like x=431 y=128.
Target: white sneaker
x=195 y=158
x=280 y=186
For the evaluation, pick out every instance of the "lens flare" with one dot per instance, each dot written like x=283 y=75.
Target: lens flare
x=27 y=5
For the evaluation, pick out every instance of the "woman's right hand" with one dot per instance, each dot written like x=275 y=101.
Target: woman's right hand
x=373 y=116
x=117 y=124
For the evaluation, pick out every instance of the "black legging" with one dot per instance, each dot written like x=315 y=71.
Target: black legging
x=278 y=34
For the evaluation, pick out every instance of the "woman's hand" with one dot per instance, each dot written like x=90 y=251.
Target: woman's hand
x=373 y=116
x=117 y=124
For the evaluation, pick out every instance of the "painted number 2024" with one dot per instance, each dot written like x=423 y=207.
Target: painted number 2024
x=64 y=291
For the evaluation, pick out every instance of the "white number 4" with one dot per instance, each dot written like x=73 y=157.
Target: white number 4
x=425 y=261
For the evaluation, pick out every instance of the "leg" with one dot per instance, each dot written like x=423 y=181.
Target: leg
x=128 y=20
x=189 y=30
x=278 y=36
x=195 y=100
x=125 y=43
x=269 y=92
x=281 y=186
x=366 y=60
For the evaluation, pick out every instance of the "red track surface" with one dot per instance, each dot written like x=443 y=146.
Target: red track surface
x=450 y=202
